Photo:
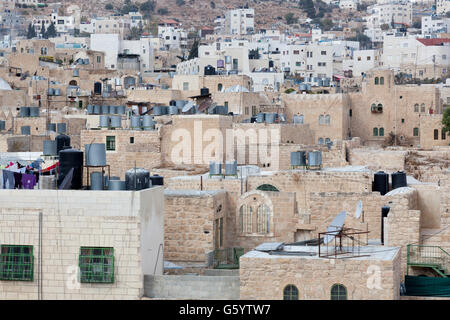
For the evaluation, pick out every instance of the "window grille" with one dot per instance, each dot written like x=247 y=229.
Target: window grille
x=96 y=265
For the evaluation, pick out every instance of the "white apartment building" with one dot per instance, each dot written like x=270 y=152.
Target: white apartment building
x=240 y=21
x=116 y=49
x=7 y=5
x=111 y=25
x=432 y=25
x=375 y=34
x=442 y=6
x=348 y=4
x=172 y=37
x=362 y=61
x=397 y=12
x=63 y=24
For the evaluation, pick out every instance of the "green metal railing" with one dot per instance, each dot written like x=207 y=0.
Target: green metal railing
x=429 y=257
x=227 y=258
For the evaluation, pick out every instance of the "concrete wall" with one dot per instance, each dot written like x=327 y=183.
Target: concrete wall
x=192 y=287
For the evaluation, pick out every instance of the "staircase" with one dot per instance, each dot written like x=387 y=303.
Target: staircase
x=433 y=257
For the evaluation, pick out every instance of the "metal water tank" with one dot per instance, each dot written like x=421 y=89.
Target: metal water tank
x=104 y=121
x=25 y=130
x=68 y=159
x=302 y=86
x=204 y=91
x=47 y=182
x=271 y=117
x=137 y=179
x=165 y=110
x=61 y=128
x=2 y=125
x=51 y=127
x=298 y=158
x=62 y=141
x=24 y=112
x=105 y=109
x=76 y=72
x=113 y=109
x=135 y=122
x=116 y=121
x=398 y=180
x=180 y=103
x=381 y=182
x=231 y=168
x=308 y=86
x=156 y=180
x=215 y=167
x=97 y=109
x=51 y=92
x=120 y=109
x=50 y=148
x=97 y=181
x=314 y=158
x=157 y=110
x=116 y=185
x=260 y=117
x=148 y=123
x=57 y=92
x=95 y=154
x=320 y=82
x=90 y=109
x=172 y=103
x=173 y=110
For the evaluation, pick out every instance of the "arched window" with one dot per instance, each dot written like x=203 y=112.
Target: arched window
x=320 y=141
x=290 y=292
x=263 y=219
x=245 y=217
x=443 y=134
x=338 y=292
x=267 y=187
x=321 y=119
x=219 y=87
x=72 y=83
x=379 y=107
x=436 y=134
x=327 y=140
x=381 y=132
x=422 y=107
x=375 y=132
x=416 y=107
x=376 y=80
x=373 y=107
x=301 y=119
x=381 y=80
x=416 y=132
x=327 y=119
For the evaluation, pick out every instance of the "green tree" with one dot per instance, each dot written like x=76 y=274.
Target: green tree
x=43 y=31
x=290 y=19
x=163 y=11
x=31 y=32
x=308 y=7
x=51 y=31
x=109 y=6
x=147 y=8
x=193 y=53
x=446 y=120
x=326 y=24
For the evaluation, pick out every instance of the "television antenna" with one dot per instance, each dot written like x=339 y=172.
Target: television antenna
x=335 y=227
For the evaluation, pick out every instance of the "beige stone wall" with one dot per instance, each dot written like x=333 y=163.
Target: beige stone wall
x=259 y=273
x=428 y=125
x=378 y=159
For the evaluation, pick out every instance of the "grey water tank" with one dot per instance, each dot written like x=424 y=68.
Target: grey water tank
x=302 y=86
x=215 y=167
x=137 y=179
x=120 y=109
x=298 y=158
x=2 y=125
x=113 y=109
x=50 y=148
x=51 y=127
x=90 y=109
x=165 y=110
x=34 y=112
x=116 y=122
x=271 y=117
x=57 y=92
x=180 y=103
x=260 y=117
x=116 y=185
x=47 y=182
x=135 y=122
x=97 y=110
x=157 y=110
x=314 y=158
x=231 y=168
x=96 y=181
x=173 y=110
x=105 y=109
x=104 y=121
x=24 y=112
x=62 y=141
x=148 y=123
x=95 y=154
x=76 y=72
x=25 y=130
x=61 y=128
x=320 y=82
x=308 y=86
x=398 y=180
x=51 y=92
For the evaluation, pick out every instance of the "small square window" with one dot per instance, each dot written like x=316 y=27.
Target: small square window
x=403 y=120
x=96 y=265
x=110 y=143
x=131 y=139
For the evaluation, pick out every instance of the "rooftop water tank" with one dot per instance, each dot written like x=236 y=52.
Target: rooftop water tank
x=105 y=109
x=137 y=179
x=215 y=168
x=104 y=121
x=95 y=154
x=51 y=92
x=96 y=181
x=62 y=141
x=148 y=123
x=90 y=109
x=180 y=103
x=61 y=128
x=51 y=127
x=172 y=103
x=260 y=117
x=204 y=91
x=116 y=121
x=156 y=180
x=314 y=158
x=381 y=182
x=231 y=168
x=116 y=185
x=271 y=117
x=68 y=159
x=157 y=110
x=120 y=109
x=302 y=86
x=135 y=122
x=47 y=182
x=398 y=180
x=50 y=148
x=24 y=112
x=97 y=109
x=173 y=110
x=57 y=92
x=298 y=158
x=25 y=130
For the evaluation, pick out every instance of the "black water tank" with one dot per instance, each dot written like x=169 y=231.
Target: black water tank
x=381 y=182
x=270 y=64
x=62 y=141
x=204 y=91
x=398 y=180
x=137 y=179
x=172 y=103
x=384 y=214
x=210 y=70
x=157 y=180
x=68 y=159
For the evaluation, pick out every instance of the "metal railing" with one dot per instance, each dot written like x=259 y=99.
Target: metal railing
x=429 y=256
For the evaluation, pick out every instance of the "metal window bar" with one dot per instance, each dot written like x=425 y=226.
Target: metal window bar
x=96 y=265
x=263 y=219
x=16 y=263
x=338 y=292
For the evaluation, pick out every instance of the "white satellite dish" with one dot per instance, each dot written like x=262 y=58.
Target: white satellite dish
x=358 y=209
x=335 y=227
x=188 y=106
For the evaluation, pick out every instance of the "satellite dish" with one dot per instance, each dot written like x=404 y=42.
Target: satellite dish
x=358 y=209
x=188 y=106
x=335 y=227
